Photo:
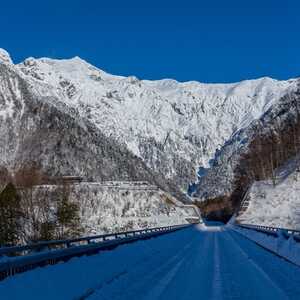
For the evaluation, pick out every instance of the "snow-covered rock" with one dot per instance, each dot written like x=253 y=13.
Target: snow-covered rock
x=5 y=57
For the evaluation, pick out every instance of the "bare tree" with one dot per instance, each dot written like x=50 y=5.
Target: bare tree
x=36 y=204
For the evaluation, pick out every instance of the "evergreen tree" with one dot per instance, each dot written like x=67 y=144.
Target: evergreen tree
x=10 y=215
x=47 y=231
x=67 y=216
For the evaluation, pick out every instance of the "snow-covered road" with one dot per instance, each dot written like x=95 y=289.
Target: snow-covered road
x=193 y=263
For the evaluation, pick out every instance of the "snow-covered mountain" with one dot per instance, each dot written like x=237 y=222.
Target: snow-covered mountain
x=174 y=127
x=42 y=131
x=252 y=154
x=72 y=118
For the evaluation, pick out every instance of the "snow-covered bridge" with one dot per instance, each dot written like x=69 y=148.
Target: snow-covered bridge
x=197 y=262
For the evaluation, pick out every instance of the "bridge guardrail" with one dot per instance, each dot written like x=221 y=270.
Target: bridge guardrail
x=271 y=230
x=40 y=254
x=283 y=242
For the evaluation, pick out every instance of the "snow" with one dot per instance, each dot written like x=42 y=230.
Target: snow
x=188 y=120
x=192 y=263
x=7 y=107
x=5 y=57
x=174 y=127
x=278 y=205
x=112 y=206
x=221 y=180
x=286 y=247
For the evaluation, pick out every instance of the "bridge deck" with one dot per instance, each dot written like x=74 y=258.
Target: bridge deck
x=194 y=263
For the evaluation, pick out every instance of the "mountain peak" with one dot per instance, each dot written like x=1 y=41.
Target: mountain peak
x=78 y=59
x=5 y=57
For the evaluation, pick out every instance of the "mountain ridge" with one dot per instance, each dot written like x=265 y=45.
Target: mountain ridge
x=173 y=127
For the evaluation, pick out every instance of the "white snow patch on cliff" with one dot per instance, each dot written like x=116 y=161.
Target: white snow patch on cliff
x=5 y=57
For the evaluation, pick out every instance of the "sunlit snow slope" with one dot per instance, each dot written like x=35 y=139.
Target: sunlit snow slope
x=174 y=127
x=276 y=205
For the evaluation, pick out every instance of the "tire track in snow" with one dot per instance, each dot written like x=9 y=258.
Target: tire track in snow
x=134 y=284
x=217 y=278
x=191 y=276
x=283 y=273
x=251 y=275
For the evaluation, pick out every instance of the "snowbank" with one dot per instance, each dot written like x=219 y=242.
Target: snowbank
x=279 y=243
x=275 y=205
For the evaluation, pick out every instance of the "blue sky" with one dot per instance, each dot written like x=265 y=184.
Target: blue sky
x=208 y=41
